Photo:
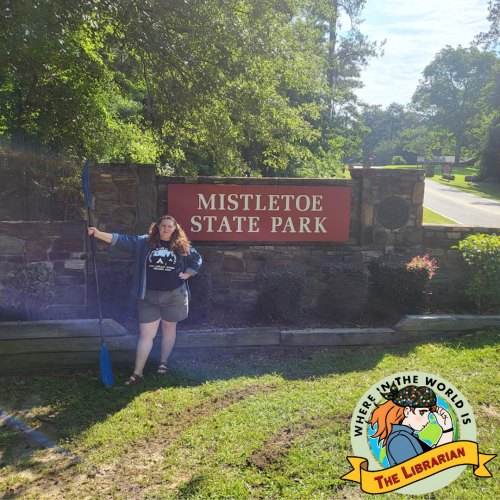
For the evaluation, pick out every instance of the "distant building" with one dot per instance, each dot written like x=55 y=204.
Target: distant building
x=464 y=162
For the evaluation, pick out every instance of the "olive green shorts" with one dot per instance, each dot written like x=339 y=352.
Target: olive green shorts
x=171 y=305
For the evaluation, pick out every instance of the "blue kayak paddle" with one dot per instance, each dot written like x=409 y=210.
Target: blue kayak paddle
x=105 y=361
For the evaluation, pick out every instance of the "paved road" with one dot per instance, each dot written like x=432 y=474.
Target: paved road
x=462 y=207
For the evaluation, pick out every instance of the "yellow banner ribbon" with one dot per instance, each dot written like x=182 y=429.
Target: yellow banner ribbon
x=420 y=467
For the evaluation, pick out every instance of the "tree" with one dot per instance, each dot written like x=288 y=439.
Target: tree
x=490 y=158
x=56 y=86
x=491 y=38
x=455 y=88
x=346 y=52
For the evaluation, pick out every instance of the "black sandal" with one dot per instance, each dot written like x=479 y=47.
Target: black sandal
x=162 y=368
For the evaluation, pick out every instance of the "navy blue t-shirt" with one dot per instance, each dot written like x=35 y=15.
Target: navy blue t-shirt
x=162 y=269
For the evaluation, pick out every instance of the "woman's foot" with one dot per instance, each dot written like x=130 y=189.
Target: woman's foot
x=162 y=368
x=133 y=379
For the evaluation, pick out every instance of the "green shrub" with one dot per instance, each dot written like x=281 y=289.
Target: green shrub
x=482 y=254
x=31 y=286
x=398 y=160
x=281 y=292
x=347 y=286
x=402 y=284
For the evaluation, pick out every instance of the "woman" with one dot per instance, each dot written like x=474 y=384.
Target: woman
x=164 y=261
x=406 y=412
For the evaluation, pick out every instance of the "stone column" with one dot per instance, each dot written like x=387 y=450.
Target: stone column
x=391 y=209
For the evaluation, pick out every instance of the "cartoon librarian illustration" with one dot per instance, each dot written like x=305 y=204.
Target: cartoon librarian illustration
x=406 y=412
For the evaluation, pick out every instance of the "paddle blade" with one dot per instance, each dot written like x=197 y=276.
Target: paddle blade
x=86 y=182
x=106 y=370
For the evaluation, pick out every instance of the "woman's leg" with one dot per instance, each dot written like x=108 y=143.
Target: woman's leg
x=169 y=330
x=145 y=344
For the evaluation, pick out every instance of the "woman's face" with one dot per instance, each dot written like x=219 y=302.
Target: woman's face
x=166 y=227
x=418 y=420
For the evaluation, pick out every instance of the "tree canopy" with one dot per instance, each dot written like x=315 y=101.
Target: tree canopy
x=234 y=87
x=456 y=86
x=226 y=87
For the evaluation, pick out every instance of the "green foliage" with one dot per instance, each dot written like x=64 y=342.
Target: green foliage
x=219 y=87
x=398 y=160
x=61 y=87
x=401 y=285
x=281 y=291
x=482 y=254
x=456 y=86
x=30 y=285
x=490 y=158
x=346 y=292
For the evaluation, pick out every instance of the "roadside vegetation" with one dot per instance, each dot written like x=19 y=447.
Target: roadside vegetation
x=261 y=425
x=431 y=217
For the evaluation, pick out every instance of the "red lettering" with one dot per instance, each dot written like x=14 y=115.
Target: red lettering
x=405 y=473
x=453 y=455
x=388 y=481
x=379 y=479
x=395 y=478
x=461 y=452
x=434 y=462
x=441 y=459
x=419 y=468
x=426 y=464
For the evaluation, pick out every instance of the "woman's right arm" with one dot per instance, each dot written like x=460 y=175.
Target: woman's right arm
x=107 y=237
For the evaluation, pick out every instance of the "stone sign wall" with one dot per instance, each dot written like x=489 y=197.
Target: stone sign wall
x=385 y=219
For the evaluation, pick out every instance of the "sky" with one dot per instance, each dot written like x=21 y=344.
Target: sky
x=415 y=32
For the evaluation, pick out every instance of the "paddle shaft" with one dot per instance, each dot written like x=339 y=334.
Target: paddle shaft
x=92 y=246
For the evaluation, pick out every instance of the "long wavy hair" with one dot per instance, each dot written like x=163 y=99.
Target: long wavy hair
x=178 y=240
x=385 y=416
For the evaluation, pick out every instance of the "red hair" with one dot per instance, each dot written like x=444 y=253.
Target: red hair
x=178 y=240
x=385 y=416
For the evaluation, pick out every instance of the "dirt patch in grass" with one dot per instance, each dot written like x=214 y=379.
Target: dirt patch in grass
x=275 y=448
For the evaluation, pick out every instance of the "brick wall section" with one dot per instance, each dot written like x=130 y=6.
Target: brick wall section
x=61 y=245
x=452 y=273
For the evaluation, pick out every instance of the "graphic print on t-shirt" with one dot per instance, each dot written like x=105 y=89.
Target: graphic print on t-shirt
x=162 y=259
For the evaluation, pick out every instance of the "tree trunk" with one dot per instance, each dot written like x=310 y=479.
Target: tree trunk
x=331 y=51
x=458 y=148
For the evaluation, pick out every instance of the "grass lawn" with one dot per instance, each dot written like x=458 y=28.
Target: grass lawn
x=431 y=217
x=263 y=426
x=484 y=189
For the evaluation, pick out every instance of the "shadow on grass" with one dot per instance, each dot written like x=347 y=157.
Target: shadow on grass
x=62 y=405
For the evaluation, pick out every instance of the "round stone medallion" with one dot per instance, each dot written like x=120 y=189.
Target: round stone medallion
x=393 y=212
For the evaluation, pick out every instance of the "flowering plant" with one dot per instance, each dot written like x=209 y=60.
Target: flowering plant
x=420 y=263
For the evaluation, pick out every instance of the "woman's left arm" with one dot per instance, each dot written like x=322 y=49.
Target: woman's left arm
x=193 y=264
